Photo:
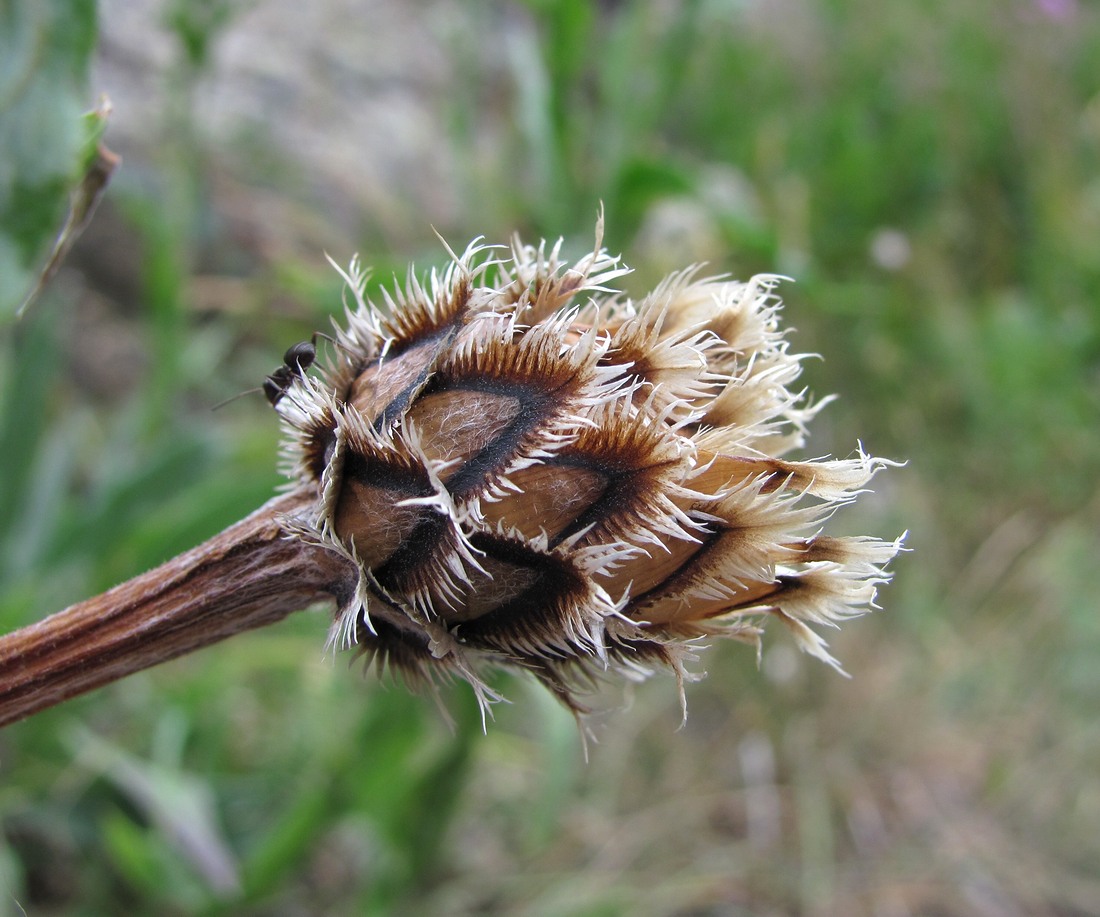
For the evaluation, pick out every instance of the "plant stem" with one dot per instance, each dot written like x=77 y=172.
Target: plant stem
x=248 y=576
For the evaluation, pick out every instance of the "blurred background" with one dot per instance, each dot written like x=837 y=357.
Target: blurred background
x=928 y=173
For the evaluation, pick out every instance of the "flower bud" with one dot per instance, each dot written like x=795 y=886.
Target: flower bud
x=530 y=470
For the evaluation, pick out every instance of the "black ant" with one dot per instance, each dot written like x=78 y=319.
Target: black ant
x=298 y=358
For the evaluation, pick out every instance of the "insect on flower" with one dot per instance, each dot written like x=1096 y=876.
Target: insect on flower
x=297 y=359
x=529 y=469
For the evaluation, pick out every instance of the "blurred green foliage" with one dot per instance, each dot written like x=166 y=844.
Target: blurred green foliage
x=928 y=174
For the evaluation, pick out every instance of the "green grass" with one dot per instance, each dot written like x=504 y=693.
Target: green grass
x=956 y=773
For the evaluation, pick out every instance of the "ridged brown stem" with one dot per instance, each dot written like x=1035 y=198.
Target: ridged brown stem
x=248 y=576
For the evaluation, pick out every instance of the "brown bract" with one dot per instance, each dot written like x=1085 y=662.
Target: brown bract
x=528 y=469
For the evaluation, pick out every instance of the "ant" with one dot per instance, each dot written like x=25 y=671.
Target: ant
x=298 y=358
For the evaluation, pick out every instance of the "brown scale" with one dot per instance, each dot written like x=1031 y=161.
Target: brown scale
x=418 y=318
x=528 y=595
x=389 y=647
x=402 y=543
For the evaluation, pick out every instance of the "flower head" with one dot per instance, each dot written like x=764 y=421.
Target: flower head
x=529 y=469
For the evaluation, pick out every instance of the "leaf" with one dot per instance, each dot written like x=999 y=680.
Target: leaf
x=46 y=146
x=179 y=805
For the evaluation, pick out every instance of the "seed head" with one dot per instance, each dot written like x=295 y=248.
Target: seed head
x=531 y=470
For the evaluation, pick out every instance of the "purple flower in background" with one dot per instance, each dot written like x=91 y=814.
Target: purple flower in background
x=1060 y=10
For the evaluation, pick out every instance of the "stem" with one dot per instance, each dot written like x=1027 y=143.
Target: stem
x=246 y=577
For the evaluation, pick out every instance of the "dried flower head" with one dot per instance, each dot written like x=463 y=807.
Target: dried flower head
x=529 y=469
